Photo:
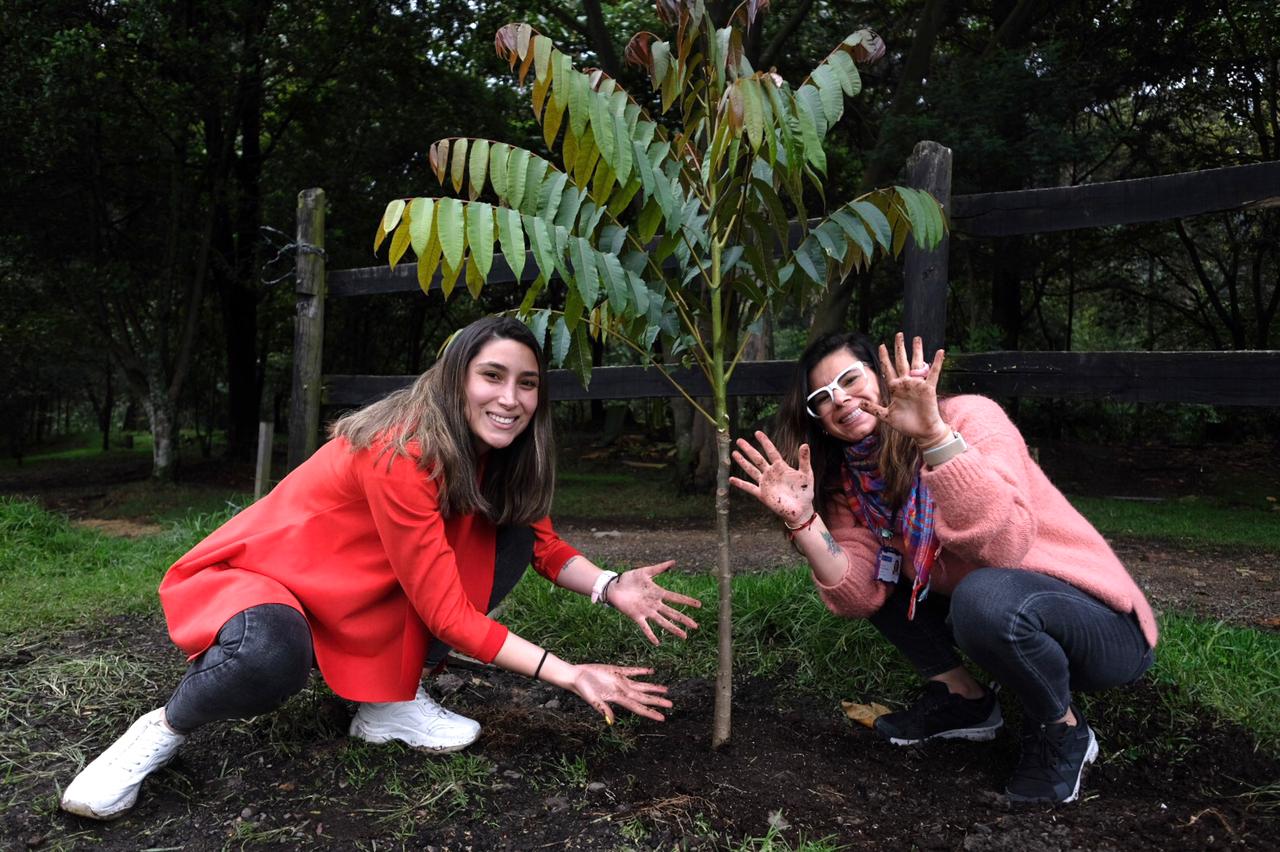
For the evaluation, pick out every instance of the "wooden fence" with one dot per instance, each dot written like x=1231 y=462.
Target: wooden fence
x=1221 y=378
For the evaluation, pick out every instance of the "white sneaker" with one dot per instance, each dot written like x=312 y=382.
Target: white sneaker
x=108 y=786
x=421 y=723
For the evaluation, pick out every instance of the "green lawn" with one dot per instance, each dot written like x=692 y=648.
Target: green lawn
x=1187 y=521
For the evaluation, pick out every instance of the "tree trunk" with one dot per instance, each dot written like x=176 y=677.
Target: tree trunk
x=163 y=416
x=722 y=722
x=722 y=717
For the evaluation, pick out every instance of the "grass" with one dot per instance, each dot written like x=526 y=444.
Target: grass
x=1234 y=670
x=780 y=625
x=1188 y=521
x=54 y=575
x=633 y=494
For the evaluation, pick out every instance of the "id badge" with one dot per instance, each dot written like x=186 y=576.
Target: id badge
x=888 y=564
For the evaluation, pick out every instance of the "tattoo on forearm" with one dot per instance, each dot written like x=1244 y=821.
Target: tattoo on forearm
x=832 y=547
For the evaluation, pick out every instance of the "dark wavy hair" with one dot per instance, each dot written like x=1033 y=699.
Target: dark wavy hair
x=899 y=457
x=519 y=479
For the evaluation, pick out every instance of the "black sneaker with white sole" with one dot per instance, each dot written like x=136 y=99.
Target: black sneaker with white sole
x=1053 y=761
x=939 y=714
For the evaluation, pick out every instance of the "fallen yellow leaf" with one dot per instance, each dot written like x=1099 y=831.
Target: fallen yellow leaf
x=863 y=714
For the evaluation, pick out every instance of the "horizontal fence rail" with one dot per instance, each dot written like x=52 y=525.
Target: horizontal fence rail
x=1214 y=378
x=992 y=214
x=1218 y=378
x=1121 y=202
x=756 y=378
x=1221 y=378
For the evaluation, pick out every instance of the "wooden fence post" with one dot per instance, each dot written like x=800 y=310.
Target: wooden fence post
x=308 y=336
x=925 y=273
x=262 y=470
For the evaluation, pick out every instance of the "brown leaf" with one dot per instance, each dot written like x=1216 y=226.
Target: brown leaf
x=440 y=158
x=668 y=11
x=1273 y=622
x=866 y=46
x=864 y=714
x=504 y=43
x=639 y=51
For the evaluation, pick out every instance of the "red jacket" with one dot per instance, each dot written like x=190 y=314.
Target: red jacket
x=357 y=544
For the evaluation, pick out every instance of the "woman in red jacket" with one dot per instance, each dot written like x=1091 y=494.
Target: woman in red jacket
x=929 y=518
x=375 y=556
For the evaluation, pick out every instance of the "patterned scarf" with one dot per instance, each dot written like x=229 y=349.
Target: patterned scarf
x=864 y=489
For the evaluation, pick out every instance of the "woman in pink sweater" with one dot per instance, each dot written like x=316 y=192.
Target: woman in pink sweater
x=929 y=518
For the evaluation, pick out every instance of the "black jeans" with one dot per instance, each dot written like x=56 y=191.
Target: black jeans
x=263 y=655
x=1040 y=637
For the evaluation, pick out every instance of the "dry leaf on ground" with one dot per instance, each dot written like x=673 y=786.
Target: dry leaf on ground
x=863 y=714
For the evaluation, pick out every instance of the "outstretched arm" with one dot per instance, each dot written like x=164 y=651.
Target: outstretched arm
x=788 y=492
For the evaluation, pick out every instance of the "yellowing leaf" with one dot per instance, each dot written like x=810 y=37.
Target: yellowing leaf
x=448 y=279
x=391 y=216
x=864 y=714
x=399 y=244
x=474 y=278
x=458 y=163
x=551 y=120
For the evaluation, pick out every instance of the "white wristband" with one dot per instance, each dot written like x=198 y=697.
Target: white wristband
x=603 y=580
x=944 y=452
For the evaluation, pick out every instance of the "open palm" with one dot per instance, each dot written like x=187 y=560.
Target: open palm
x=786 y=490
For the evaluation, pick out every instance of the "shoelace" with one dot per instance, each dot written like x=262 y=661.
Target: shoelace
x=140 y=759
x=1043 y=750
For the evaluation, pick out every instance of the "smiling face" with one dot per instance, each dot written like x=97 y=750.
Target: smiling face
x=837 y=408
x=501 y=393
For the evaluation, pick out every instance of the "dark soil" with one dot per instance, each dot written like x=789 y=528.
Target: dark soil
x=796 y=765
x=795 y=762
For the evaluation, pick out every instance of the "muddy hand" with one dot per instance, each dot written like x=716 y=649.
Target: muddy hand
x=913 y=393
x=785 y=490
x=602 y=686
x=637 y=595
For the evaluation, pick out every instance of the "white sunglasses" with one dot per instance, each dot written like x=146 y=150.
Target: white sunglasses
x=815 y=402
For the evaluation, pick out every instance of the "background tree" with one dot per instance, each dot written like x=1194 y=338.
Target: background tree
x=676 y=227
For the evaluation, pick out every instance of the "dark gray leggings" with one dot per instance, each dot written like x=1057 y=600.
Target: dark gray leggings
x=1038 y=636
x=263 y=654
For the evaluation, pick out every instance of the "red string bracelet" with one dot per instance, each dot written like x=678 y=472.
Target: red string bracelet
x=791 y=531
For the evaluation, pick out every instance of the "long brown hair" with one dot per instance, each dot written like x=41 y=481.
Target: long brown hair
x=519 y=480
x=899 y=458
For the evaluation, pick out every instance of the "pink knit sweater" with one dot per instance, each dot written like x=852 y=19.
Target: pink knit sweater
x=995 y=507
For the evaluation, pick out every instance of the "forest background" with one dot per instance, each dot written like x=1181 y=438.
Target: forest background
x=153 y=152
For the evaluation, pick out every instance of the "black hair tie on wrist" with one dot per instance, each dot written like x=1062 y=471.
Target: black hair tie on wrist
x=540 y=662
